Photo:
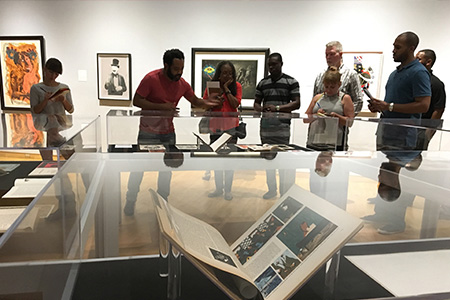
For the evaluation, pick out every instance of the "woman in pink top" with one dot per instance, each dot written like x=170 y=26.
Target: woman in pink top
x=224 y=119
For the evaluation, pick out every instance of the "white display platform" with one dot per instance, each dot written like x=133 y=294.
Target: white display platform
x=408 y=273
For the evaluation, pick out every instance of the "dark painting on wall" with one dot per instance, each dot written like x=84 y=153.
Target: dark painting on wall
x=250 y=65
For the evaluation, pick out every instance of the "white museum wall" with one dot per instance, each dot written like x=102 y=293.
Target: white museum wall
x=75 y=31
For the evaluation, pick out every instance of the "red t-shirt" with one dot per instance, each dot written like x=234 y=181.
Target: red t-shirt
x=225 y=123
x=157 y=88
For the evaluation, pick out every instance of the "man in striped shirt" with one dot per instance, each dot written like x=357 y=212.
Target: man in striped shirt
x=350 y=83
x=277 y=93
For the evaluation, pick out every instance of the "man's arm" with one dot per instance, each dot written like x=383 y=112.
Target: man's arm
x=354 y=90
x=211 y=102
x=144 y=104
x=257 y=104
x=420 y=105
x=437 y=113
x=293 y=105
x=317 y=84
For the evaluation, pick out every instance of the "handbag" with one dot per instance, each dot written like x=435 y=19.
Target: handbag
x=241 y=130
x=203 y=125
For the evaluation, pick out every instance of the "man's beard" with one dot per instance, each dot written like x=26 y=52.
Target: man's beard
x=173 y=77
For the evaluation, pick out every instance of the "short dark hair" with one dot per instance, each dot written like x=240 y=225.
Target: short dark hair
x=53 y=64
x=277 y=55
x=412 y=39
x=171 y=54
x=430 y=54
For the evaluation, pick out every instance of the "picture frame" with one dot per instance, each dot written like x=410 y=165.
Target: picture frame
x=369 y=66
x=116 y=88
x=250 y=65
x=21 y=65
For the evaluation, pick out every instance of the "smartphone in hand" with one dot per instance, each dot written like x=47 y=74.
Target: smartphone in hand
x=366 y=91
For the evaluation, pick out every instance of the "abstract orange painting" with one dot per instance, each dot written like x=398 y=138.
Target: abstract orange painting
x=21 y=60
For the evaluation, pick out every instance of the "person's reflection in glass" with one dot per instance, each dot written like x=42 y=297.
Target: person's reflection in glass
x=322 y=167
x=159 y=131
x=324 y=162
x=277 y=93
x=391 y=205
x=231 y=95
x=50 y=101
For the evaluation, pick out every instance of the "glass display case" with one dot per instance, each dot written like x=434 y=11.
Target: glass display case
x=433 y=135
x=24 y=136
x=30 y=157
x=107 y=210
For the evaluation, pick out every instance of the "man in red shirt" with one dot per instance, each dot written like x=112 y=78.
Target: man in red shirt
x=161 y=90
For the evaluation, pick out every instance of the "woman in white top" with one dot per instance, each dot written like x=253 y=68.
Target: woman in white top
x=333 y=103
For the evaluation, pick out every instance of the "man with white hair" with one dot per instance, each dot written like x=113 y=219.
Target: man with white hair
x=349 y=79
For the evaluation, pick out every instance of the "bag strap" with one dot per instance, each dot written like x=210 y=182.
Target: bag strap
x=240 y=112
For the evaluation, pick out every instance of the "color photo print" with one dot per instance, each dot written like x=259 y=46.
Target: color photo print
x=264 y=231
x=276 y=272
x=305 y=232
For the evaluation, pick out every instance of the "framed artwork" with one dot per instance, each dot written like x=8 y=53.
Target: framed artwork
x=21 y=133
x=369 y=66
x=114 y=76
x=21 y=62
x=250 y=65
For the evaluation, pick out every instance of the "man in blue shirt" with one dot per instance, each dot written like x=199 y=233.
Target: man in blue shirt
x=408 y=90
x=408 y=95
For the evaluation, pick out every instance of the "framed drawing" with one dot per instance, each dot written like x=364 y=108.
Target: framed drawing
x=369 y=66
x=114 y=76
x=250 y=65
x=21 y=61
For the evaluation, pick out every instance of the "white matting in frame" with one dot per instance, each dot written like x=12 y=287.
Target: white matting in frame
x=369 y=66
x=114 y=76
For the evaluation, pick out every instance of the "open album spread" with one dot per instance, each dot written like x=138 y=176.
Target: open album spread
x=26 y=187
x=46 y=168
x=276 y=255
x=8 y=215
x=217 y=144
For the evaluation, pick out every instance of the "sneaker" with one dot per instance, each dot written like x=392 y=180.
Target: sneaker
x=128 y=210
x=216 y=193
x=391 y=229
x=270 y=194
x=373 y=219
x=228 y=196
x=207 y=176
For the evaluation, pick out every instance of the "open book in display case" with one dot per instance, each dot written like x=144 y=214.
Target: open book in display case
x=275 y=256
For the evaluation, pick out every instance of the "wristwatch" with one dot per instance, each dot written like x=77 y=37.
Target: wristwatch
x=277 y=108
x=391 y=106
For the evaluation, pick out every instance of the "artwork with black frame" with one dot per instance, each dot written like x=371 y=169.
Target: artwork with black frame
x=114 y=76
x=250 y=65
x=21 y=63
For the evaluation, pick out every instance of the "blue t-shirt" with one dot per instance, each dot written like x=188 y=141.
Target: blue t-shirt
x=404 y=85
